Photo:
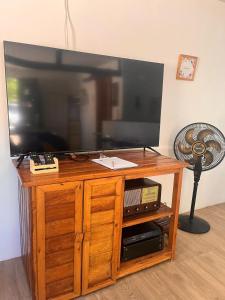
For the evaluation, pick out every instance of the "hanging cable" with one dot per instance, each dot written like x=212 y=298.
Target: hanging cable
x=68 y=21
x=66 y=25
x=73 y=34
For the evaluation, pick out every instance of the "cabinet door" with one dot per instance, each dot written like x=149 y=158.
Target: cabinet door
x=59 y=238
x=102 y=230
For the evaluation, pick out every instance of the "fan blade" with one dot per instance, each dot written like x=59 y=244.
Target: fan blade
x=184 y=149
x=208 y=158
x=214 y=144
x=189 y=136
x=203 y=133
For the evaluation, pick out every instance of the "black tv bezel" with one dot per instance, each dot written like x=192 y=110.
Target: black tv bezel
x=78 y=151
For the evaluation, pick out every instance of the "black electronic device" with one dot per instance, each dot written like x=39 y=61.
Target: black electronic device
x=140 y=232
x=69 y=101
x=49 y=158
x=141 y=239
x=45 y=159
x=36 y=159
x=164 y=224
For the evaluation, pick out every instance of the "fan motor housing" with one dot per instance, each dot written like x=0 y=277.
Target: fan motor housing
x=198 y=148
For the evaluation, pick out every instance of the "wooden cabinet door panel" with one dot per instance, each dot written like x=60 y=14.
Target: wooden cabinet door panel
x=59 y=238
x=102 y=230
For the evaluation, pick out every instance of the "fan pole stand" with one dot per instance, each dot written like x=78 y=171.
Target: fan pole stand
x=192 y=223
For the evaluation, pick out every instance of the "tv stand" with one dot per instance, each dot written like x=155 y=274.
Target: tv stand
x=71 y=223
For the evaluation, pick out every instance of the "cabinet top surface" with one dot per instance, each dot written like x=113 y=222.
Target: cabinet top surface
x=149 y=164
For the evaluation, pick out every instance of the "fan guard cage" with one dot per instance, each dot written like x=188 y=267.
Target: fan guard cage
x=216 y=136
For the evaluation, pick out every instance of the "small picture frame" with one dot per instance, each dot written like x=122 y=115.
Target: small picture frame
x=186 y=67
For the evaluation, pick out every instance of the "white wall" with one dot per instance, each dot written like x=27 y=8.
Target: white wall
x=155 y=30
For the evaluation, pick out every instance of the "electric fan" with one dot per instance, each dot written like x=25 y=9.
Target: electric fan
x=203 y=146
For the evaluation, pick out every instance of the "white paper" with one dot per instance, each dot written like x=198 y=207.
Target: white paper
x=114 y=163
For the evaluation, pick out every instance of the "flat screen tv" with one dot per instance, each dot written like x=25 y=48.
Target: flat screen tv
x=70 y=101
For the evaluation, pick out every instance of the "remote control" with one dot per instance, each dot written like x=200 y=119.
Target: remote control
x=35 y=157
x=48 y=157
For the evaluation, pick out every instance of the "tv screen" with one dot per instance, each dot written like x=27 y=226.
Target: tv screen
x=69 y=101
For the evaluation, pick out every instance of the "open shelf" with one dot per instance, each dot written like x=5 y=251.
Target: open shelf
x=143 y=262
x=163 y=211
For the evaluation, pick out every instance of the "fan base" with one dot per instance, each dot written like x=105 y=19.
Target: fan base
x=195 y=225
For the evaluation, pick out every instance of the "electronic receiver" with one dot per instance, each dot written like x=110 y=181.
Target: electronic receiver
x=141 y=239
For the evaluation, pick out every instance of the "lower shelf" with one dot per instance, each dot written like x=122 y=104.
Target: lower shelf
x=163 y=211
x=143 y=262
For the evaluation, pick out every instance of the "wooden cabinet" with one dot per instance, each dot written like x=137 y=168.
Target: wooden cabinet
x=102 y=217
x=71 y=224
x=61 y=229
x=59 y=238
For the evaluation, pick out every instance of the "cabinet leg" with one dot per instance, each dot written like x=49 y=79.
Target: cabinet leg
x=175 y=207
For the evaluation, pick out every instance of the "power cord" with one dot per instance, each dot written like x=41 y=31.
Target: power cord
x=68 y=25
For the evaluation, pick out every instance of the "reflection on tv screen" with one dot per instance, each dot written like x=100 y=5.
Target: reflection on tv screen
x=69 y=101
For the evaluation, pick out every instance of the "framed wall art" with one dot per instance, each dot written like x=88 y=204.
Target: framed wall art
x=186 y=67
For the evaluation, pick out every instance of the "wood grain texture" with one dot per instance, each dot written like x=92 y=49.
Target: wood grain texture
x=163 y=211
x=103 y=217
x=117 y=229
x=59 y=243
x=175 y=208
x=41 y=244
x=59 y=272
x=197 y=273
x=34 y=242
x=26 y=231
x=63 y=286
x=148 y=163
x=60 y=257
x=101 y=245
x=59 y=238
x=143 y=262
x=61 y=234
x=98 y=260
x=59 y=212
x=101 y=232
x=60 y=227
x=103 y=204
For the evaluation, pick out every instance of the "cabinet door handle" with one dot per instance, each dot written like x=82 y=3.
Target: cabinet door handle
x=87 y=236
x=79 y=237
